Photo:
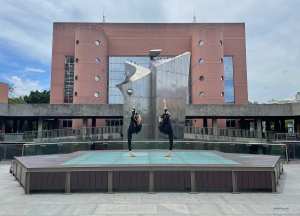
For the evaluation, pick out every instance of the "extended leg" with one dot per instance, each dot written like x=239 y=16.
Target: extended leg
x=129 y=135
x=171 y=144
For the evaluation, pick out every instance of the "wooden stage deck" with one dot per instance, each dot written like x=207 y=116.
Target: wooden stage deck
x=111 y=171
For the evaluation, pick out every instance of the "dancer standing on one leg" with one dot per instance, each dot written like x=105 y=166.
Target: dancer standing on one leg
x=135 y=126
x=166 y=127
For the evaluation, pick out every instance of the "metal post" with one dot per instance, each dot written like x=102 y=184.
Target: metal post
x=27 y=183
x=273 y=179
x=234 y=182
x=193 y=182
x=68 y=183
x=110 y=182
x=151 y=182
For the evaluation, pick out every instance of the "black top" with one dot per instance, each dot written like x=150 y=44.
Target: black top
x=165 y=126
x=133 y=126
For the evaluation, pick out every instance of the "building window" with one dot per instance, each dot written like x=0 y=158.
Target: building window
x=97 y=42
x=97 y=61
x=222 y=94
x=69 y=79
x=201 y=94
x=221 y=61
x=67 y=123
x=114 y=122
x=96 y=94
x=230 y=123
x=221 y=43
x=228 y=79
x=201 y=61
x=97 y=78
x=77 y=42
x=201 y=78
x=201 y=43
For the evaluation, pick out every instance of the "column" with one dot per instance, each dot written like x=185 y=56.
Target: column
x=93 y=125
x=40 y=127
x=258 y=128
x=204 y=125
x=84 y=125
x=215 y=126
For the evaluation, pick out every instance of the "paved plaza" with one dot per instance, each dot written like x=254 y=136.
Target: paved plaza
x=13 y=201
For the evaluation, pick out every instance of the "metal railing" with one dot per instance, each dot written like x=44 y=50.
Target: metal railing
x=269 y=135
x=59 y=134
x=287 y=136
x=94 y=132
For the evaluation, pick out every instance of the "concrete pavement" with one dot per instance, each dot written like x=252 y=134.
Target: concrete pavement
x=13 y=201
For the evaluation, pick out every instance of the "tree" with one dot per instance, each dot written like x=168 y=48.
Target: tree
x=37 y=97
x=16 y=100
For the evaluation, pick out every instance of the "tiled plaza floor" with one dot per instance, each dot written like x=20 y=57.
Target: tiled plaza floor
x=13 y=201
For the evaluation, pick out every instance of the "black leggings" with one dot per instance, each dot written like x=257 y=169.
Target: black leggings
x=129 y=135
x=171 y=140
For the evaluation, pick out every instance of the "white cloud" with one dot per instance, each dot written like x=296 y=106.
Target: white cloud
x=35 y=70
x=24 y=87
x=272 y=31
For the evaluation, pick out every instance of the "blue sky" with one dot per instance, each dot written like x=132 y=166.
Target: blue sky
x=272 y=34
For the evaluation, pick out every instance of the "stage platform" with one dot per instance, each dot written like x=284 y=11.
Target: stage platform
x=150 y=171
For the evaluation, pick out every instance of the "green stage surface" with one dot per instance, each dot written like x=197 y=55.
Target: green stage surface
x=148 y=158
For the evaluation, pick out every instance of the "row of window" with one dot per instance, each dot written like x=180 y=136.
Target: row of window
x=97 y=61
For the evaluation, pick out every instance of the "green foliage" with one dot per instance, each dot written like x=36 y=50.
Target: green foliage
x=37 y=97
x=16 y=100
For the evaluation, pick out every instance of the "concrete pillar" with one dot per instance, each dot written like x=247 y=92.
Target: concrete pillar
x=93 y=122
x=258 y=128
x=215 y=126
x=93 y=125
x=84 y=125
x=40 y=127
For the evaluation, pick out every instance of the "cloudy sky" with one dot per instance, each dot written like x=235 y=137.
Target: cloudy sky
x=272 y=34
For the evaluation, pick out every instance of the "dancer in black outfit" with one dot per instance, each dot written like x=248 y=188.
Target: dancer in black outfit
x=166 y=127
x=135 y=126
